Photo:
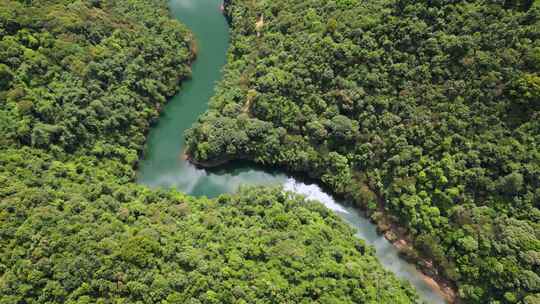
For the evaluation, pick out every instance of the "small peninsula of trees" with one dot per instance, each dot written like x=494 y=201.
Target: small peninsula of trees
x=80 y=84
x=424 y=113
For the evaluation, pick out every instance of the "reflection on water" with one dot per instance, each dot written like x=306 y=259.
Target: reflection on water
x=162 y=165
x=211 y=183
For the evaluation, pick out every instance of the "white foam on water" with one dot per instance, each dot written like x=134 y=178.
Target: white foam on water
x=313 y=192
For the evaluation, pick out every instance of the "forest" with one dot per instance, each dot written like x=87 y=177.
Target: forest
x=426 y=114
x=81 y=82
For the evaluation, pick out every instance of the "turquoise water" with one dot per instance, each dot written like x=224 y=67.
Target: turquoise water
x=163 y=166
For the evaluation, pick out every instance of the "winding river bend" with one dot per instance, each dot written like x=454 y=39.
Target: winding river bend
x=163 y=166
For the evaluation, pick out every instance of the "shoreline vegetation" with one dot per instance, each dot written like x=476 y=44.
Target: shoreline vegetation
x=423 y=114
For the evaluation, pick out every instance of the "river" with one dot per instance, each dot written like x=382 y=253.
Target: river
x=163 y=165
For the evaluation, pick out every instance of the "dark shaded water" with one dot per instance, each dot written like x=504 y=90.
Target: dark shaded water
x=163 y=166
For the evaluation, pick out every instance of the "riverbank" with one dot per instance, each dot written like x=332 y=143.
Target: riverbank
x=403 y=243
x=438 y=283
x=399 y=237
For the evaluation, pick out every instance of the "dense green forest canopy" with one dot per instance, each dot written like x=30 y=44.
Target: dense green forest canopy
x=81 y=238
x=80 y=84
x=100 y=242
x=425 y=113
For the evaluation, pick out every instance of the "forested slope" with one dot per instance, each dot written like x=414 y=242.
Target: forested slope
x=87 y=77
x=80 y=84
x=424 y=113
x=71 y=238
